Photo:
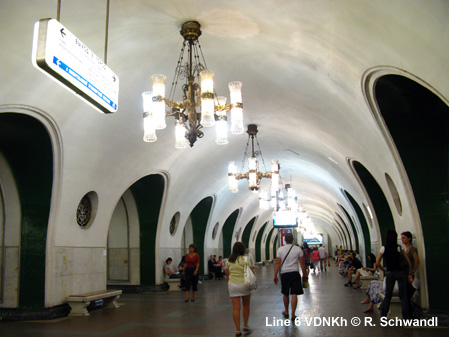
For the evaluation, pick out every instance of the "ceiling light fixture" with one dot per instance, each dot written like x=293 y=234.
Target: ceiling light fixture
x=253 y=175
x=212 y=108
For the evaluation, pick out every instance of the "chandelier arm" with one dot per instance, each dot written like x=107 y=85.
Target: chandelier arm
x=245 y=155
x=174 y=83
x=202 y=56
x=261 y=155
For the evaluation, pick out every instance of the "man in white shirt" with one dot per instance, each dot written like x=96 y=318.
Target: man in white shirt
x=323 y=258
x=250 y=256
x=287 y=259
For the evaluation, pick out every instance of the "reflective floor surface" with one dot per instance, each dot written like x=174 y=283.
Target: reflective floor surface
x=326 y=309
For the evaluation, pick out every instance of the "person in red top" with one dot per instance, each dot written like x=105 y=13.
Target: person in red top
x=191 y=272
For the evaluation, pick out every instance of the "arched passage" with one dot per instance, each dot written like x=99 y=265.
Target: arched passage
x=247 y=232
x=363 y=223
x=377 y=197
x=227 y=230
x=148 y=193
x=259 y=241
x=346 y=232
x=200 y=217
x=356 y=237
x=418 y=122
x=267 y=244
x=26 y=145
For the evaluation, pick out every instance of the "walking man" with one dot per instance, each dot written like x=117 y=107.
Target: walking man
x=287 y=259
x=323 y=258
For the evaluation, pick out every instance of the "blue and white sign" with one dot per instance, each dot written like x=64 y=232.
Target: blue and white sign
x=62 y=56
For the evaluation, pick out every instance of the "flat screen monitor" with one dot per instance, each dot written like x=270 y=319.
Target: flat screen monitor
x=285 y=219
x=313 y=239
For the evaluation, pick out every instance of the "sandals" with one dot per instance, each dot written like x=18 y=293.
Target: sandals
x=356 y=287
x=246 y=329
x=285 y=314
x=238 y=333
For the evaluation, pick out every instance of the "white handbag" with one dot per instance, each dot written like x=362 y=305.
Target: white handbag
x=250 y=278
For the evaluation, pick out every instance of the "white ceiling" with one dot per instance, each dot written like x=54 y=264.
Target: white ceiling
x=301 y=64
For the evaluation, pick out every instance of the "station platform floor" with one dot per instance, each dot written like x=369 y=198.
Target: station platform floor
x=166 y=314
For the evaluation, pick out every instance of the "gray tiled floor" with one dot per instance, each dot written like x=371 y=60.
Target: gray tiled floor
x=166 y=314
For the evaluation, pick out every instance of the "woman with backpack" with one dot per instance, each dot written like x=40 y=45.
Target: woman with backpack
x=398 y=268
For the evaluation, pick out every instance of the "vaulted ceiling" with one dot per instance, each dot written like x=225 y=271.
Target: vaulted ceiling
x=302 y=63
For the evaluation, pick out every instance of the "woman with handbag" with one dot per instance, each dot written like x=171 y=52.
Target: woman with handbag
x=235 y=274
x=398 y=269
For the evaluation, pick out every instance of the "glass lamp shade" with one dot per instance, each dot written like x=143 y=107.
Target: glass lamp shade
x=252 y=164
x=158 y=85
x=274 y=183
x=291 y=198
x=274 y=201
x=207 y=112
x=221 y=127
x=235 y=89
x=147 y=97
x=207 y=81
x=158 y=107
x=232 y=180
x=149 y=132
x=252 y=180
x=264 y=200
x=159 y=115
x=207 y=98
x=180 y=131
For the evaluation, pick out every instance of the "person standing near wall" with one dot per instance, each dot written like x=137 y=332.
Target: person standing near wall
x=391 y=253
x=287 y=258
x=191 y=272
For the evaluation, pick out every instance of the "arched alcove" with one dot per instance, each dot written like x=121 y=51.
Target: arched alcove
x=247 y=232
x=259 y=242
x=148 y=193
x=200 y=217
x=363 y=223
x=227 y=230
x=27 y=147
x=267 y=244
x=382 y=210
x=417 y=118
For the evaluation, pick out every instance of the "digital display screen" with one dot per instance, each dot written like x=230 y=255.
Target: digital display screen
x=285 y=219
x=313 y=239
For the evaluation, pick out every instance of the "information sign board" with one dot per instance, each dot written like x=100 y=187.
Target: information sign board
x=62 y=56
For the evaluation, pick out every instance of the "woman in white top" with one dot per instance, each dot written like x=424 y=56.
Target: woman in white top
x=235 y=274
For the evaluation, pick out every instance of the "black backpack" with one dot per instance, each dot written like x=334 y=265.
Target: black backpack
x=392 y=257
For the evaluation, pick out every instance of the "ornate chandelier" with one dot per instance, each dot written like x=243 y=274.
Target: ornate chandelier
x=212 y=109
x=253 y=175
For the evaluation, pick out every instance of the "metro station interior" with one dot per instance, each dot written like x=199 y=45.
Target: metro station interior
x=349 y=98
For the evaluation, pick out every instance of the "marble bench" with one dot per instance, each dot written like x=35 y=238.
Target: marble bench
x=366 y=277
x=173 y=284
x=79 y=303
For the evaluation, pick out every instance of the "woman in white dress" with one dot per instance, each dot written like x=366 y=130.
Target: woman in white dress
x=234 y=270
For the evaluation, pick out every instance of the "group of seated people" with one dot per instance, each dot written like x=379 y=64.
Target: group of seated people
x=350 y=264
x=216 y=267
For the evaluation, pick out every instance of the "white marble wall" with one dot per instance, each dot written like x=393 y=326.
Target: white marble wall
x=78 y=270
x=124 y=266
x=11 y=281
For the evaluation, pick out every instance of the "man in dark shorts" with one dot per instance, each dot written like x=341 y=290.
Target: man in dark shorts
x=287 y=259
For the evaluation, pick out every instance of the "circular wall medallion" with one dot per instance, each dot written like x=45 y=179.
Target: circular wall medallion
x=86 y=210
x=174 y=223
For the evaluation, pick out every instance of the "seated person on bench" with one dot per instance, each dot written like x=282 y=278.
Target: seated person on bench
x=169 y=271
